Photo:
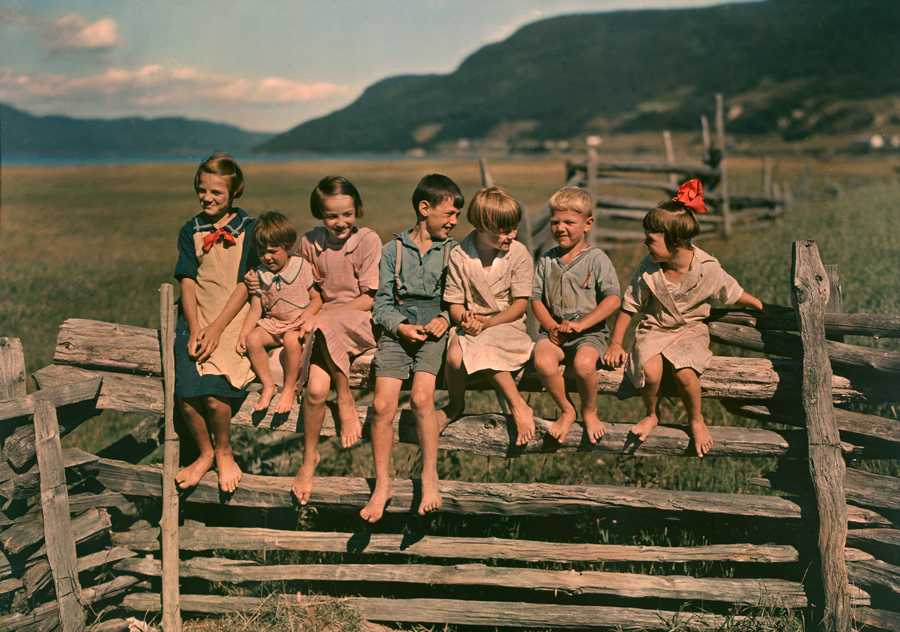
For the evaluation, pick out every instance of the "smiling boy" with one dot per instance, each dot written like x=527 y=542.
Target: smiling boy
x=408 y=307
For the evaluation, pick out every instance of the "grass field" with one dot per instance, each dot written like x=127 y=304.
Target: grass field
x=97 y=242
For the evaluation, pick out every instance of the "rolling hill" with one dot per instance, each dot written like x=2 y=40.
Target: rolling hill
x=791 y=67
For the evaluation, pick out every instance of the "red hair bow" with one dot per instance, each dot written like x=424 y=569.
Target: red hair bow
x=691 y=195
x=211 y=239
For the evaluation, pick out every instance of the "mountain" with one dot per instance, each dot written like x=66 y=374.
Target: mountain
x=22 y=134
x=792 y=67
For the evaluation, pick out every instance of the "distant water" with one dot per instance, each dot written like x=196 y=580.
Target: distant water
x=111 y=161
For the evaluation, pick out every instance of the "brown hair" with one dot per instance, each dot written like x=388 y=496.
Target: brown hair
x=572 y=199
x=274 y=229
x=675 y=221
x=333 y=185
x=222 y=165
x=494 y=210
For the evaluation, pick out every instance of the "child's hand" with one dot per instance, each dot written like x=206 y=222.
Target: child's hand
x=615 y=355
x=193 y=345
x=570 y=327
x=305 y=324
x=413 y=333
x=470 y=324
x=556 y=337
x=241 y=346
x=251 y=280
x=207 y=342
x=437 y=327
x=769 y=310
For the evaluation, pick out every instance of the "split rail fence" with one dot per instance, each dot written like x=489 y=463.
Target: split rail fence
x=83 y=544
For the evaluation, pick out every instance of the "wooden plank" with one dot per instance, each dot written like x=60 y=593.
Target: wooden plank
x=826 y=465
x=884 y=544
x=468 y=498
x=861 y=488
x=878 y=363
x=29 y=484
x=57 y=528
x=137 y=444
x=638 y=183
x=94 y=344
x=874 y=325
x=61 y=395
x=38 y=576
x=171 y=612
x=750 y=592
x=725 y=207
x=835 y=304
x=874 y=619
x=258 y=539
x=12 y=369
x=878 y=577
x=461 y=612
x=18 y=449
x=686 y=170
x=119 y=391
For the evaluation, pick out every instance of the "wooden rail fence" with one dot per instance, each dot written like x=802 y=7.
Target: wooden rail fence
x=74 y=554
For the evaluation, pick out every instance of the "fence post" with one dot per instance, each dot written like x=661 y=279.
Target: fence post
x=809 y=296
x=171 y=608
x=670 y=156
x=723 y=170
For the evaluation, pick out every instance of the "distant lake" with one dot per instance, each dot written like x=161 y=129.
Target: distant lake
x=112 y=161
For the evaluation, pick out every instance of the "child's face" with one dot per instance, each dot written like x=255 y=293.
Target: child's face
x=498 y=241
x=440 y=219
x=660 y=252
x=273 y=257
x=214 y=196
x=339 y=217
x=569 y=228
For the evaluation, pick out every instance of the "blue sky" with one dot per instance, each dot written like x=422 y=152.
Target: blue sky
x=264 y=65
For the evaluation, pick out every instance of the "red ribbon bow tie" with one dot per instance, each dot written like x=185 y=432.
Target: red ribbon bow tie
x=212 y=238
x=691 y=195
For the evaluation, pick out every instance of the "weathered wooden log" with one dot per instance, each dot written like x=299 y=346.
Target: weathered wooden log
x=461 y=497
x=77 y=504
x=884 y=544
x=257 y=539
x=29 y=484
x=38 y=576
x=137 y=444
x=875 y=362
x=20 y=537
x=864 y=489
x=12 y=584
x=826 y=466
x=461 y=612
x=86 y=343
x=876 y=619
x=60 y=395
x=119 y=391
x=874 y=325
x=638 y=183
x=877 y=577
x=648 y=166
x=752 y=592
x=18 y=449
x=12 y=369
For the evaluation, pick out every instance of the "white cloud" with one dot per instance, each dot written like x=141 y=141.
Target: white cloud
x=74 y=32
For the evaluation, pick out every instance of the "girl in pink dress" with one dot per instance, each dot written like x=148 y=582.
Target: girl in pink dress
x=344 y=262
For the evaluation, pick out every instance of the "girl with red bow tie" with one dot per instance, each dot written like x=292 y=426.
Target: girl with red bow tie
x=672 y=288
x=214 y=253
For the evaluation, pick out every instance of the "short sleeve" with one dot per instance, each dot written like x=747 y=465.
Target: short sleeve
x=522 y=277
x=537 y=285
x=369 y=253
x=635 y=294
x=186 y=268
x=729 y=289
x=607 y=279
x=308 y=252
x=454 y=292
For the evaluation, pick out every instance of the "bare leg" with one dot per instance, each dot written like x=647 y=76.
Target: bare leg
x=653 y=369
x=522 y=413
x=257 y=341
x=689 y=388
x=292 y=351
x=547 y=357
x=220 y=423
x=422 y=404
x=585 y=363
x=317 y=388
x=193 y=409
x=387 y=394
x=351 y=428
x=457 y=378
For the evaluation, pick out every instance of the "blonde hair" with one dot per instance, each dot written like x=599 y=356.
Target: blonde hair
x=222 y=165
x=494 y=210
x=675 y=221
x=274 y=229
x=573 y=199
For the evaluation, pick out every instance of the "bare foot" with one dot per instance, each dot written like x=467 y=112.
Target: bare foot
x=593 y=427
x=560 y=428
x=374 y=509
x=431 y=496
x=286 y=400
x=644 y=427
x=229 y=471
x=191 y=475
x=303 y=482
x=351 y=429
x=524 y=418
x=265 y=396
x=702 y=439
x=448 y=415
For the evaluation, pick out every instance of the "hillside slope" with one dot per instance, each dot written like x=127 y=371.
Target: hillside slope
x=636 y=70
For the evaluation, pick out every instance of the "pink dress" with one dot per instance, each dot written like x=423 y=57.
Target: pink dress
x=284 y=296
x=342 y=273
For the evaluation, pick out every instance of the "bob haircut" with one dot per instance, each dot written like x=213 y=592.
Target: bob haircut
x=434 y=189
x=494 y=210
x=675 y=221
x=573 y=199
x=222 y=165
x=274 y=229
x=330 y=186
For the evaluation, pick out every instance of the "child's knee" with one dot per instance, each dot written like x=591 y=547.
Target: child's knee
x=421 y=399
x=545 y=363
x=382 y=405
x=455 y=356
x=585 y=362
x=216 y=404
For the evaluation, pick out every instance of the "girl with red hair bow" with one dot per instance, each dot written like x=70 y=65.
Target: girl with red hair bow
x=672 y=289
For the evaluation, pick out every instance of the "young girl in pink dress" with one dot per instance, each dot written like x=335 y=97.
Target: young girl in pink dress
x=344 y=261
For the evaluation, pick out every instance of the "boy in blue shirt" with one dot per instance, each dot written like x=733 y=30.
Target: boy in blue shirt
x=575 y=290
x=408 y=307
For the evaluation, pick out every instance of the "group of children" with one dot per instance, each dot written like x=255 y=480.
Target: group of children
x=436 y=303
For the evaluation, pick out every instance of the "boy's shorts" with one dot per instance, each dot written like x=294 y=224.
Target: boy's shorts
x=595 y=339
x=397 y=358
